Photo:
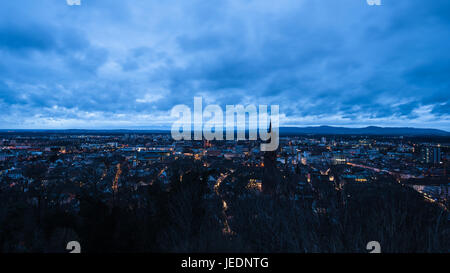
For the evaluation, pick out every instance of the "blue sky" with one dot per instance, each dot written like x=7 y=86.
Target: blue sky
x=125 y=64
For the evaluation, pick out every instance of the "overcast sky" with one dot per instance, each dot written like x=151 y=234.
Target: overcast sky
x=125 y=64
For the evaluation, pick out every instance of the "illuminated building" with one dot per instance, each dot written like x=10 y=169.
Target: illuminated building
x=431 y=155
x=255 y=184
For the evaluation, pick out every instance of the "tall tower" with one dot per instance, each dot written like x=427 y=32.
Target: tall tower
x=271 y=175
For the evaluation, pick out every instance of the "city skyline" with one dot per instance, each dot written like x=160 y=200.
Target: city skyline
x=94 y=189
x=124 y=65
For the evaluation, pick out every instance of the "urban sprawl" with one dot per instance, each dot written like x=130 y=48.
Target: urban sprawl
x=147 y=192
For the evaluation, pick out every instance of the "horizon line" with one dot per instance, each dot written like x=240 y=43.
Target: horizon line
x=246 y=129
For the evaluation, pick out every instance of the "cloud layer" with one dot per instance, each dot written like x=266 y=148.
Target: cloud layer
x=125 y=64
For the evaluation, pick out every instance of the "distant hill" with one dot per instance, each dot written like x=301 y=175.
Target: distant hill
x=313 y=130
x=371 y=130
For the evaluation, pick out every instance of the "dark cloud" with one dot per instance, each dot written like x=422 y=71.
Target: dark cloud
x=127 y=63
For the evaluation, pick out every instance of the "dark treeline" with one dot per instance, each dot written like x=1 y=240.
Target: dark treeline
x=188 y=215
